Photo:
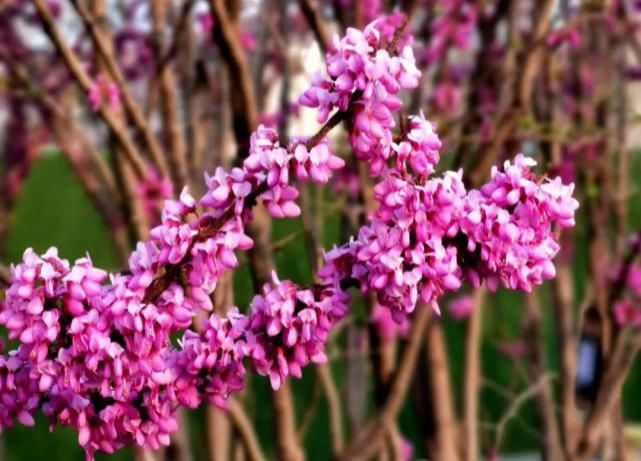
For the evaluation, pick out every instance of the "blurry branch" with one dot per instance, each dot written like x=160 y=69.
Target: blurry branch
x=442 y=435
x=105 y=52
x=369 y=439
x=519 y=104
x=73 y=147
x=471 y=383
x=131 y=205
x=51 y=105
x=245 y=429
x=563 y=305
x=317 y=23
x=169 y=103
x=182 y=23
x=243 y=98
x=334 y=406
x=82 y=78
x=5 y=275
x=488 y=28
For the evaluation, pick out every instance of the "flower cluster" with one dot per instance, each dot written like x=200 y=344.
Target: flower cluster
x=360 y=66
x=271 y=166
x=508 y=225
x=209 y=365
x=289 y=327
x=429 y=234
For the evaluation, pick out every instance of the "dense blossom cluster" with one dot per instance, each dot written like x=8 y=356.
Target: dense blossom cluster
x=428 y=235
x=290 y=325
x=359 y=65
x=99 y=356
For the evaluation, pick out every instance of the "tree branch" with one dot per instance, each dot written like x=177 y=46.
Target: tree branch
x=169 y=103
x=471 y=383
x=243 y=98
x=131 y=106
x=82 y=78
x=5 y=275
x=245 y=429
x=317 y=23
x=510 y=117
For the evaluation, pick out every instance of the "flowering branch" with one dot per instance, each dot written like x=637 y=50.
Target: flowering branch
x=100 y=358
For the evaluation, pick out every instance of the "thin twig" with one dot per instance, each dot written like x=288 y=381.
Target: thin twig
x=516 y=404
x=169 y=104
x=243 y=98
x=508 y=119
x=310 y=409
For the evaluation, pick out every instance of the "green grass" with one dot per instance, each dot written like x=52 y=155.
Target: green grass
x=53 y=210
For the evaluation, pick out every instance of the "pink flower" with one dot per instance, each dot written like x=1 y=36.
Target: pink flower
x=104 y=93
x=461 y=307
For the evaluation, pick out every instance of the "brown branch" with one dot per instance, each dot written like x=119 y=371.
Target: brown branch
x=5 y=275
x=471 y=383
x=368 y=440
x=245 y=429
x=74 y=148
x=169 y=103
x=53 y=106
x=509 y=118
x=179 y=29
x=443 y=442
x=243 y=98
x=82 y=78
x=131 y=106
x=563 y=305
x=317 y=23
